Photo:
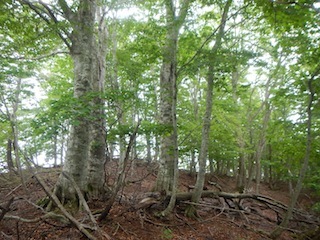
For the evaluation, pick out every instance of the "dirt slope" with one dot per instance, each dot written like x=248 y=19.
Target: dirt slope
x=219 y=218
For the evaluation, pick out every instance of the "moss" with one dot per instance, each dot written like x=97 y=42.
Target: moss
x=43 y=202
x=191 y=212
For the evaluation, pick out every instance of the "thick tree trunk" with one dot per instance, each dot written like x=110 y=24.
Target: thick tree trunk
x=167 y=178
x=84 y=35
x=85 y=146
x=168 y=140
x=97 y=156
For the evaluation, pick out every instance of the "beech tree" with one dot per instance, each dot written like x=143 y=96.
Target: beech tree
x=81 y=28
x=208 y=112
x=168 y=173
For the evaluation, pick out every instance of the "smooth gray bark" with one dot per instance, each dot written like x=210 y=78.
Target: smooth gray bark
x=86 y=148
x=208 y=112
x=97 y=155
x=167 y=178
x=294 y=196
x=168 y=97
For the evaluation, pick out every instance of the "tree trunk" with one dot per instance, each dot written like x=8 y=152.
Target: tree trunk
x=192 y=167
x=168 y=97
x=207 y=117
x=86 y=75
x=265 y=121
x=167 y=178
x=15 y=131
x=97 y=156
x=9 y=156
x=55 y=149
x=148 y=142
x=241 y=171
x=13 y=119
x=294 y=197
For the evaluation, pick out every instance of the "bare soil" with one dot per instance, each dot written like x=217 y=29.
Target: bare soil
x=217 y=220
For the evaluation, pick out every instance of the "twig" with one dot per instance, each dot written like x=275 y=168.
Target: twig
x=6 y=236
x=51 y=215
x=13 y=190
x=121 y=176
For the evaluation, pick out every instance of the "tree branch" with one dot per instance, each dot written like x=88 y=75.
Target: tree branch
x=39 y=57
x=70 y=15
x=121 y=175
x=47 y=15
x=183 y=11
x=6 y=208
x=81 y=199
x=183 y=66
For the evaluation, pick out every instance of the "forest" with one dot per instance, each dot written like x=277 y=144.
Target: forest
x=172 y=113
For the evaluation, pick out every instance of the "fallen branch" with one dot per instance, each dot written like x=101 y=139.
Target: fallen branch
x=185 y=196
x=57 y=202
x=214 y=207
x=6 y=236
x=13 y=190
x=6 y=208
x=49 y=215
x=81 y=227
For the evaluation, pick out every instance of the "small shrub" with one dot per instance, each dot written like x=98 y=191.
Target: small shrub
x=167 y=234
x=316 y=207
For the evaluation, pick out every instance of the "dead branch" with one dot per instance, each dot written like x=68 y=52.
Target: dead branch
x=121 y=176
x=80 y=226
x=6 y=208
x=6 y=236
x=214 y=207
x=57 y=202
x=13 y=190
x=215 y=185
x=49 y=215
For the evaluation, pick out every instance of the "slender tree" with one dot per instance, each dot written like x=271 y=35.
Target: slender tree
x=208 y=112
x=304 y=167
x=168 y=173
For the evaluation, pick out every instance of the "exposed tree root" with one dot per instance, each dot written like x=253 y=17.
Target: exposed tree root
x=81 y=227
x=240 y=204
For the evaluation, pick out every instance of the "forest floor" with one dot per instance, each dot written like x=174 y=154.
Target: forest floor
x=129 y=218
